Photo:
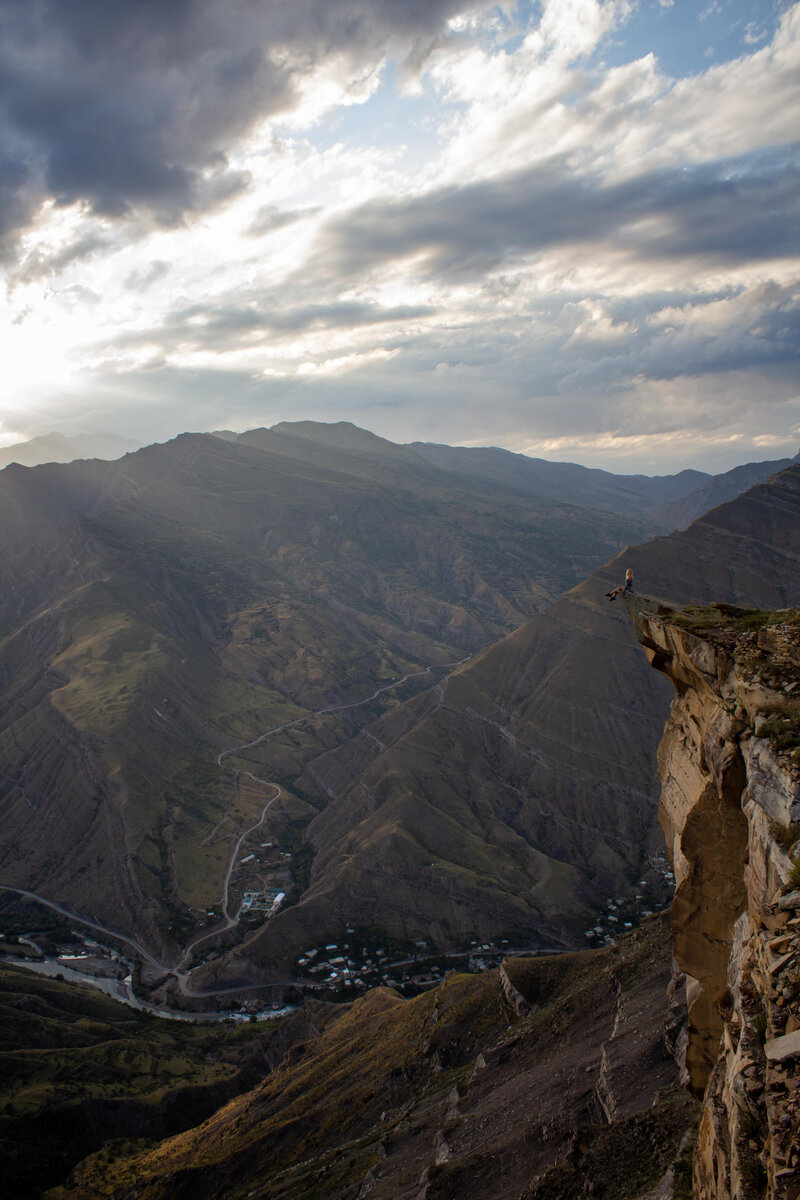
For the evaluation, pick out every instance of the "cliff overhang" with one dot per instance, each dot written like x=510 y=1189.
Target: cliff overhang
x=730 y=811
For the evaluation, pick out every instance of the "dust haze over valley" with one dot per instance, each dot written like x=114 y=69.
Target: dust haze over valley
x=301 y=715
x=204 y=592
x=312 y=664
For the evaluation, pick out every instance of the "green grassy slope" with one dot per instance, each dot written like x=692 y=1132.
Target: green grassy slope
x=78 y=1069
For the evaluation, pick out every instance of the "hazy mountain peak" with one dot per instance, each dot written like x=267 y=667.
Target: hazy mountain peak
x=342 y=434
x=57 y=447
x=718 y=489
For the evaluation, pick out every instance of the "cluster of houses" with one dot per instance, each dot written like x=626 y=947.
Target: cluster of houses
x=338 y=969
x=335 y=967
x=342 y=967
x=624 y=912
x=267 y=902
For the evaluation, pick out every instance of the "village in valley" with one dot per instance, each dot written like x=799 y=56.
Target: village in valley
x=361 y=958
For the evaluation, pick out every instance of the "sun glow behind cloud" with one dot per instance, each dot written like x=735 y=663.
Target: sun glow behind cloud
x=481 y=224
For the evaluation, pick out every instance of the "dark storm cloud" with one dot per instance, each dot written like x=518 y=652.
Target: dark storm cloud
x=19 y=195
x=133 y=106
x=730 y=211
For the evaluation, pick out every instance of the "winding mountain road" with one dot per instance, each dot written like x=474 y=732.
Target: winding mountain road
x=321 y=712
x=181 y=972
x=88 y=922
x=230 y=921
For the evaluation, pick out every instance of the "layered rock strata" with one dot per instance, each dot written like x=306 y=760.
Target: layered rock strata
x=730 y=810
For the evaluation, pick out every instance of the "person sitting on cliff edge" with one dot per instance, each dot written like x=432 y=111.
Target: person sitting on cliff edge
x=625 y=588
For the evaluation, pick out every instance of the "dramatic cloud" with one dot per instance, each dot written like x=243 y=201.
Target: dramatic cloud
x=570 y=228
x=270 y=219
x=141 y=278
x=734 y=212
x=132 y=107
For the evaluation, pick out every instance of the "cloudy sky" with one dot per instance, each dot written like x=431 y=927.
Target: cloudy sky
x=569 y=228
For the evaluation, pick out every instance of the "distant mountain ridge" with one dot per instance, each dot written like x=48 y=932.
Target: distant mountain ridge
x=560 y=481
x=718 y=489
x=56 y=447
x=669 y=501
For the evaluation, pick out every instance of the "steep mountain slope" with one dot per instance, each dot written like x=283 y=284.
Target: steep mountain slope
x=523 y=785
x=548 y=1078
x=158 y=610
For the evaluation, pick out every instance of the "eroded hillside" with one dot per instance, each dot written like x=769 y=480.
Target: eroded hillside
x=184 y=600
x=520 y=793
x=78 y=1069
x=548 y=1078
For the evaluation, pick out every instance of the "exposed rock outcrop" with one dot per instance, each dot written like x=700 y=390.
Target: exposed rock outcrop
x=730 y=811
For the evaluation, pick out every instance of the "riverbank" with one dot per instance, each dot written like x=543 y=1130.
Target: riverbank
x=121 y=990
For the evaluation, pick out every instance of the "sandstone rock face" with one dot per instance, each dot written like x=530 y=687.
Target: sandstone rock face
x=730 y=811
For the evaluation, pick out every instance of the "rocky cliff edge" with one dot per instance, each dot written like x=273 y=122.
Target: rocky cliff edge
x=730 y=811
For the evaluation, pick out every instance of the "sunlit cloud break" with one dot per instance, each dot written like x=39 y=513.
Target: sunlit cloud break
x=567 y=229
